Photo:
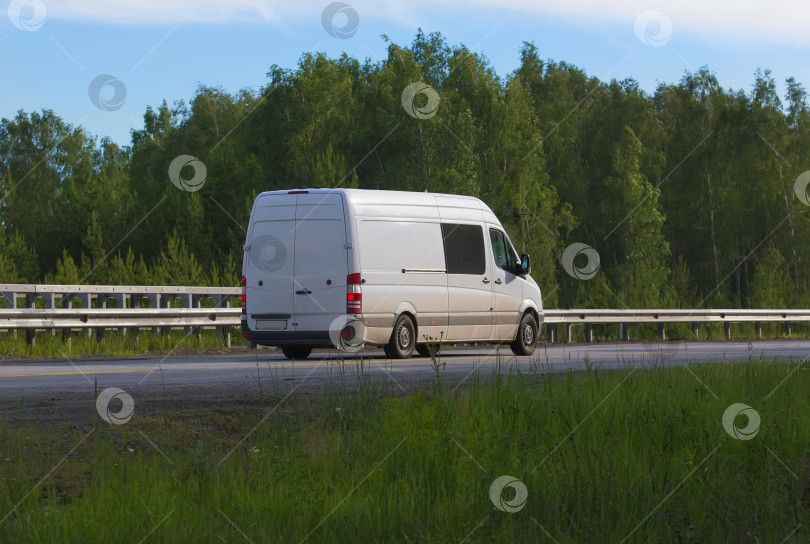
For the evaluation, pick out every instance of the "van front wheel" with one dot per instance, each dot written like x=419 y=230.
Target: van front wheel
x=526 y=338
x=296 y=352
x=403 y=339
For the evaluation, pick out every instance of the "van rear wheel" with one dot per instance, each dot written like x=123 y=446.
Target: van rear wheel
x=403 y=339
x=526 y=338
x=296 y=352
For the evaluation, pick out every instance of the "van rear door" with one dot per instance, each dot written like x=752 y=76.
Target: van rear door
x=297 y=263
x=270 y=258
x=321 y=261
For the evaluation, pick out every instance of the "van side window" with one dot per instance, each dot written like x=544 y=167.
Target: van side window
x=463 y=249
x=502 y=251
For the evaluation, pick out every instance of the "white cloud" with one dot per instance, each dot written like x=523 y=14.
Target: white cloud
x=171 y=12
x=778 y=20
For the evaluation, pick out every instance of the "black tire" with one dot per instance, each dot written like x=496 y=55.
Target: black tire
x=526 y=339
x=403 y=339
x=296 y=352
x=422 y=349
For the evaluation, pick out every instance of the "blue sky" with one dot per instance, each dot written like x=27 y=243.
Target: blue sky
x=52 y=50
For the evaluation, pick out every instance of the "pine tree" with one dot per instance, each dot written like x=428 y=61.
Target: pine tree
x=642 y=251
x=121 y=271
x=67 y=272
x=93 y=258
x=770 y=285
x=176 y=265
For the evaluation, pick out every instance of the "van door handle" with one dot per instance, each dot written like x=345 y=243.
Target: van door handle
x=486 y=280
x=303 y=292
x=498 y=281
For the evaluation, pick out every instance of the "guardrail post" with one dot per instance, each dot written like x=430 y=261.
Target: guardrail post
x=220 y=331
x=154 y=302
x=727 y=327
x=662 y=334
x=30 y=334
x=758 y=327
x=49 y=304
x=568 y=333
x=787 y=328
x=11 y=299
x=66 y=304
x=695 y=330
x=552 y=333
x=121 y=302
x=187 y=303
x=624 y=333
x=588 y=332
x=196 y=302
x=101 y=302
x=85 y=299
x=164 y=303
x=135 y=302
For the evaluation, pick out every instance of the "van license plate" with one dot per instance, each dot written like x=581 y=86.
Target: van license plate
x=273 y=324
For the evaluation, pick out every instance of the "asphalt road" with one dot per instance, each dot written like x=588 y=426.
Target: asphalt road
x=63 y=391
x=322 y=369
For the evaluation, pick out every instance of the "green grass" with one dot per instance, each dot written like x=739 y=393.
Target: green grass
x=48 y=346
x=604 y=456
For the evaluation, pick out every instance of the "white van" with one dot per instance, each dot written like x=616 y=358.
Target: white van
x=352 y=267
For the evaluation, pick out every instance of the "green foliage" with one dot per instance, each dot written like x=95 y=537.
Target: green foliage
x=769 y=288
x=641 y=268
x=20 y=258
x=355 y=464
x=67 y=272
x=677 y=190
x=176 y=265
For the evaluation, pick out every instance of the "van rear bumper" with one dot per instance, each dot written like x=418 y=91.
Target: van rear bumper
x=289 y=338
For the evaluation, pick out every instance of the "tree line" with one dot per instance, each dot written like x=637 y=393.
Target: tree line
x=686 y=195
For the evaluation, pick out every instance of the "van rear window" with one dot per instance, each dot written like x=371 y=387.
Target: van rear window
x=463 y=249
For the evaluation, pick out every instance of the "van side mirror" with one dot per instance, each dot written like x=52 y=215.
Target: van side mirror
x=525 y=264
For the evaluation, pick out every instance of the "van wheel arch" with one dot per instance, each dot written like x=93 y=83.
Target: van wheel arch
x=528 y=333
x=393 y=349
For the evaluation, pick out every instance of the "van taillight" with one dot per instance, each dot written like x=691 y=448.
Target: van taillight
x=244 y=295
x=354 y=298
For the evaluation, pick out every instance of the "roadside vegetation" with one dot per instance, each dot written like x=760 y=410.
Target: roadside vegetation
x=638 y=455
x=77 y=344
x=692 y=194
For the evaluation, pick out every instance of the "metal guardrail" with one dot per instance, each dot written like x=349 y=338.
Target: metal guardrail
x=624 y=318
x=131 y=314
x=136 y=307
x=93 y=318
